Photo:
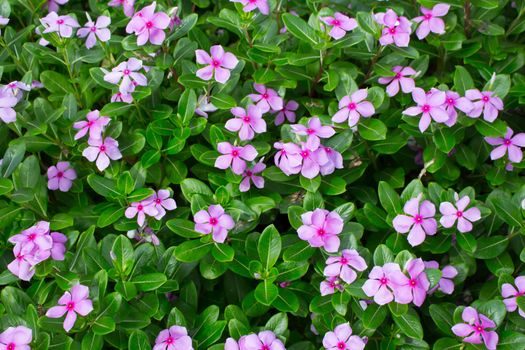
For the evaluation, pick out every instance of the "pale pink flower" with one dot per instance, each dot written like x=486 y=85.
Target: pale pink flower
x=126 y=75
x=63 y=25
x=430 y=21
x=102 y=150
x=419 y=222
x=330 y=285
x=352 y=107
x=342 y=339
x=122 y=97
x=54 y=5
x=400 y=78
x=58 y=250
x=510 y=294
x=288 y=112
x=234 y=157
x=446 y=283
x=16 y=338
x=23 y=265
x=95 y=125
x=314 y=131
x=61 y=177
x=413 y=288
x=3 y=21
x=34 y=238
x=149 y=25
x=430 y=106
x=204 y=106
x=173 y=338
x=250 y=5
x=219 y=64
x=380 y=284
x=335 y=160
x=267 y=99
x=288 y=157
x=16 y=89
x=72 y=303
x=452 y=102
x=127 y=5
x=214 y=221
x=452 y=212
x=508 y=144
x=141 y=209
x=396 y=29
x=94 y=30
x=313 y=161
x=484 y=102
x=340 y=24
x=345 y=266
x=475 y=329
x=249 y=175
x=265 y=340
x=321 y=229
x=7 y=104
x=162 y=201
x=246 y=122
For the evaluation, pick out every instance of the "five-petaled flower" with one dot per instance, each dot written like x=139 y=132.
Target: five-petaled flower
x=509 y=144
x=330 y=285
x=94 y=30
x=430 y=21
x=7 y=102
x=381 y=283
x=173 y=338
x=321 y=229
x=102 y=150
x=352 y=107
x=214 y=221
x=464 y=217
x=234 y=157
x=484 y=102
x=250 y=5
x=419 y=222
x=396 y=29
x=127 y=5
x=16 y=338
x=126 y=75
x=218 y=65
x=400 y=77
x=345 y=266
x=60 y=177
x=162 y=202
x=413 y=288
x=265 y=340
x=342 y=339
x=340 y=24
x=430 y=106
x=452 y=102
x=72 y=303
x=287 y=112
x=148 y=25
x=247 y=122
x=249 y=175
x=63 y=25
x=314 y=132
x=141 y=209
x=95 y=124
x=511 y=293
x=267 y=99
x=475 y=330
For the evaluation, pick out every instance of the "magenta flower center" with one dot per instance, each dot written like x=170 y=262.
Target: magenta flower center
x=451 y=101
x=93 y=29
x=31 y=237
x=392 y=30
x=11 y=346
x=383 y=281
x=60 y=174
x=253 y=2
x=352 y=106
x=265 y=96
x=398 y=75
x=126 y=71
x=341 y=345
x=479 y=329
x=310 y=131
x=305 y=153
x=235 y=153
x=149 y=24
x=60 y=21
x=170 y=340
x=158 y=200
x=428 y=16
x=140 y=207
x=215 y=63
x=19 y=257
x=249 y=173
x=520 y=294
x=507 y=142
x=425 y=108
x=336 y=23
x=102 y=148
x=332 y=284
x=89 y=123
x=418 y=219
x=328 y=150
x=321 y=232
x=11 y=85
x=246 y=119
x=213 y=221
x=459 y=213
x=412 y=282
x=485 y=99
x=344 y=261
x=70 y=306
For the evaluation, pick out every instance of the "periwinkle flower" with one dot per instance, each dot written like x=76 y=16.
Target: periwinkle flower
x=352 y=107
x=54 y=5
x=162 y=201
x=72 y=303
x=314 y=132
x=418 y=223
x=127 y=5
x=16 y=338
x=102 y=150
x=342 y=339
x=122 y=97
x=452 y=102
x=484 y=102
x=464 y=216
x=149 y=25
x=214 y=221
x=380 y=284
x=446 y=283
x=173 y=338
x=345 y=266
x=288 y=157
x=321 y=229
x=267 y=99
x=287 y=112
x=234 y=157
x=94 y=123
x=400 y=78
x=250 y=175
x=475 y=330
x=262 y=341
x=7 y=104
x=60 y=177
x=141 y=209
x=218 y=65
x=413 y=288
x=335 y=160
x=126 y=75
x=204 y=106
x=509 y=144
x=63 y=25
x=247 y=122
x=312 y=161
x=396 y=29
x=430 y=21
x=23 y=265
x=250 y=5
x=510 y=293
x=330 y=286
x=430 y=106
x=340 y=24
x=93 y=30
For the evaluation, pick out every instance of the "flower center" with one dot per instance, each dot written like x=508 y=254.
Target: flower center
x=11 y=346
x=383 y=281
x=70 y=306
x=253 y=2
x=20 y=257
x=479 y=329
x=336 y=23
x=332 y=284
x=310 y=131
x=428 y=16
x=265 y=96
x=249 y=173
x=102 y=148
x=140 y=207
x=425 y=108
x=412 y=282
x=520 y=294
x=344 y=261
x=265 y=347
x=215 y=63
x=246 y=119
x=507 y=142
x=328 y=150
x=149 y=24
x=11 y=85
x=235 y=153
x=60 y=21
x=305 y=154
x=398 y=75
x=60 y=174
x=321 y=232
x=341 y=345
x=485 y=99
x=93 y=29
x=31 y=237
x=352 y=106
x=213 y=221
x=126 y=71
x=170 y=340
x=392 y=30
x=451 y=101
x=418 y=219
x=158 y=200
x=90 y=122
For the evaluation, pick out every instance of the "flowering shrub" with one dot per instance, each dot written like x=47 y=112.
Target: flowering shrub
x=262 y=174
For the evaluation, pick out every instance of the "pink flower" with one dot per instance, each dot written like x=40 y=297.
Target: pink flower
x=250 y=5
x=407 y=84
x=475 y=329
x=141 y=209
x=330 y=285
x=414 y=288
x=464 y=217
x=507 y=144
x=430 y=106
x=122 y=97
x=61 y=177
x=446 y=283
x=430 y=21
x=7 y=102
x=352 y=107
x=54 y=5
x=267 y=99
x=320 y=228
x=313 y=161
x=58 y=250
x=249 y=174
x=174 y=338
x=204 y=106
x=247 y=123
x=419 y=221
x=162 y=202
x=95 y=30
x=288 y=112
x=16 y=338
x=23 y=265
x=288 y=157
x=95 y=125
x=344 y=266
x=219 y=64
x=234 y=156
x=265 y=340
x=453 y=101
x=63 y=25
x=102 y=150
x=16 y=89
x=484 y=102
x=335 y=160
x=127 y=5
x=510 y=294
x=214 y=221
x=75 y=302
x=342 y=339
x=34 y=238
x=149 y=25
x=380 y=283
x=315 y=131
x=396 y=29
x=340 y=24
x=231 y=344
x=126 y=76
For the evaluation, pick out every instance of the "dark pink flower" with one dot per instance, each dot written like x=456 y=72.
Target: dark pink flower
x=430 y=106
x=420 y=221
x=345 y=266
x=508 y=144
x=234 y=157
x=288 y=112
x=400 y=78
x=72 y=303
x=214 y=221
x=267 y=99
x=60 y=177
x=312 y=161
x=340 y=24
x=149 y=25
x=484 y=102
x=451 y=213
x=352 y=107
x=246 y=122
x=475 y=329
x=249 y=175
x=430 y=21
x=342 y=339
x=34 y=238
x=218 y=64
x=321 y=229
x=173 y=338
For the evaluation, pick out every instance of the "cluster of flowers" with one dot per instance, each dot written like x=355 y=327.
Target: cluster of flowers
x=262 y=340
x=16 y=338
x=10 y=95
x=419 y=220
x=34 y=245
x=154 y=206
x=127 y=76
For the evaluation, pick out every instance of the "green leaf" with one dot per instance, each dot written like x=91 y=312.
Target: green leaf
x=115 y=109
x=462 y=80
x=278 y=323
x=505 y=208
x=150 y=281
x=187 y=105
x=56 y=82
x=6 y=186
x=310 y=184
x=223 y=252
x=374 y=316
x=12 y=157
x=500 y=85
x=192 y=251
x=123 y=255
x=389 y=198
x=110 y=215
x=467 y=242
x=103 y=325
x=183 y=228
x=491 y=247
x=300 y=29
x=383 y=255
x=266 y=292
x=409 y=324
x=138 y=340
x=223 y=101
x=269 y=247
x=444 y=139
x=372 y=129
x=442 y=315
